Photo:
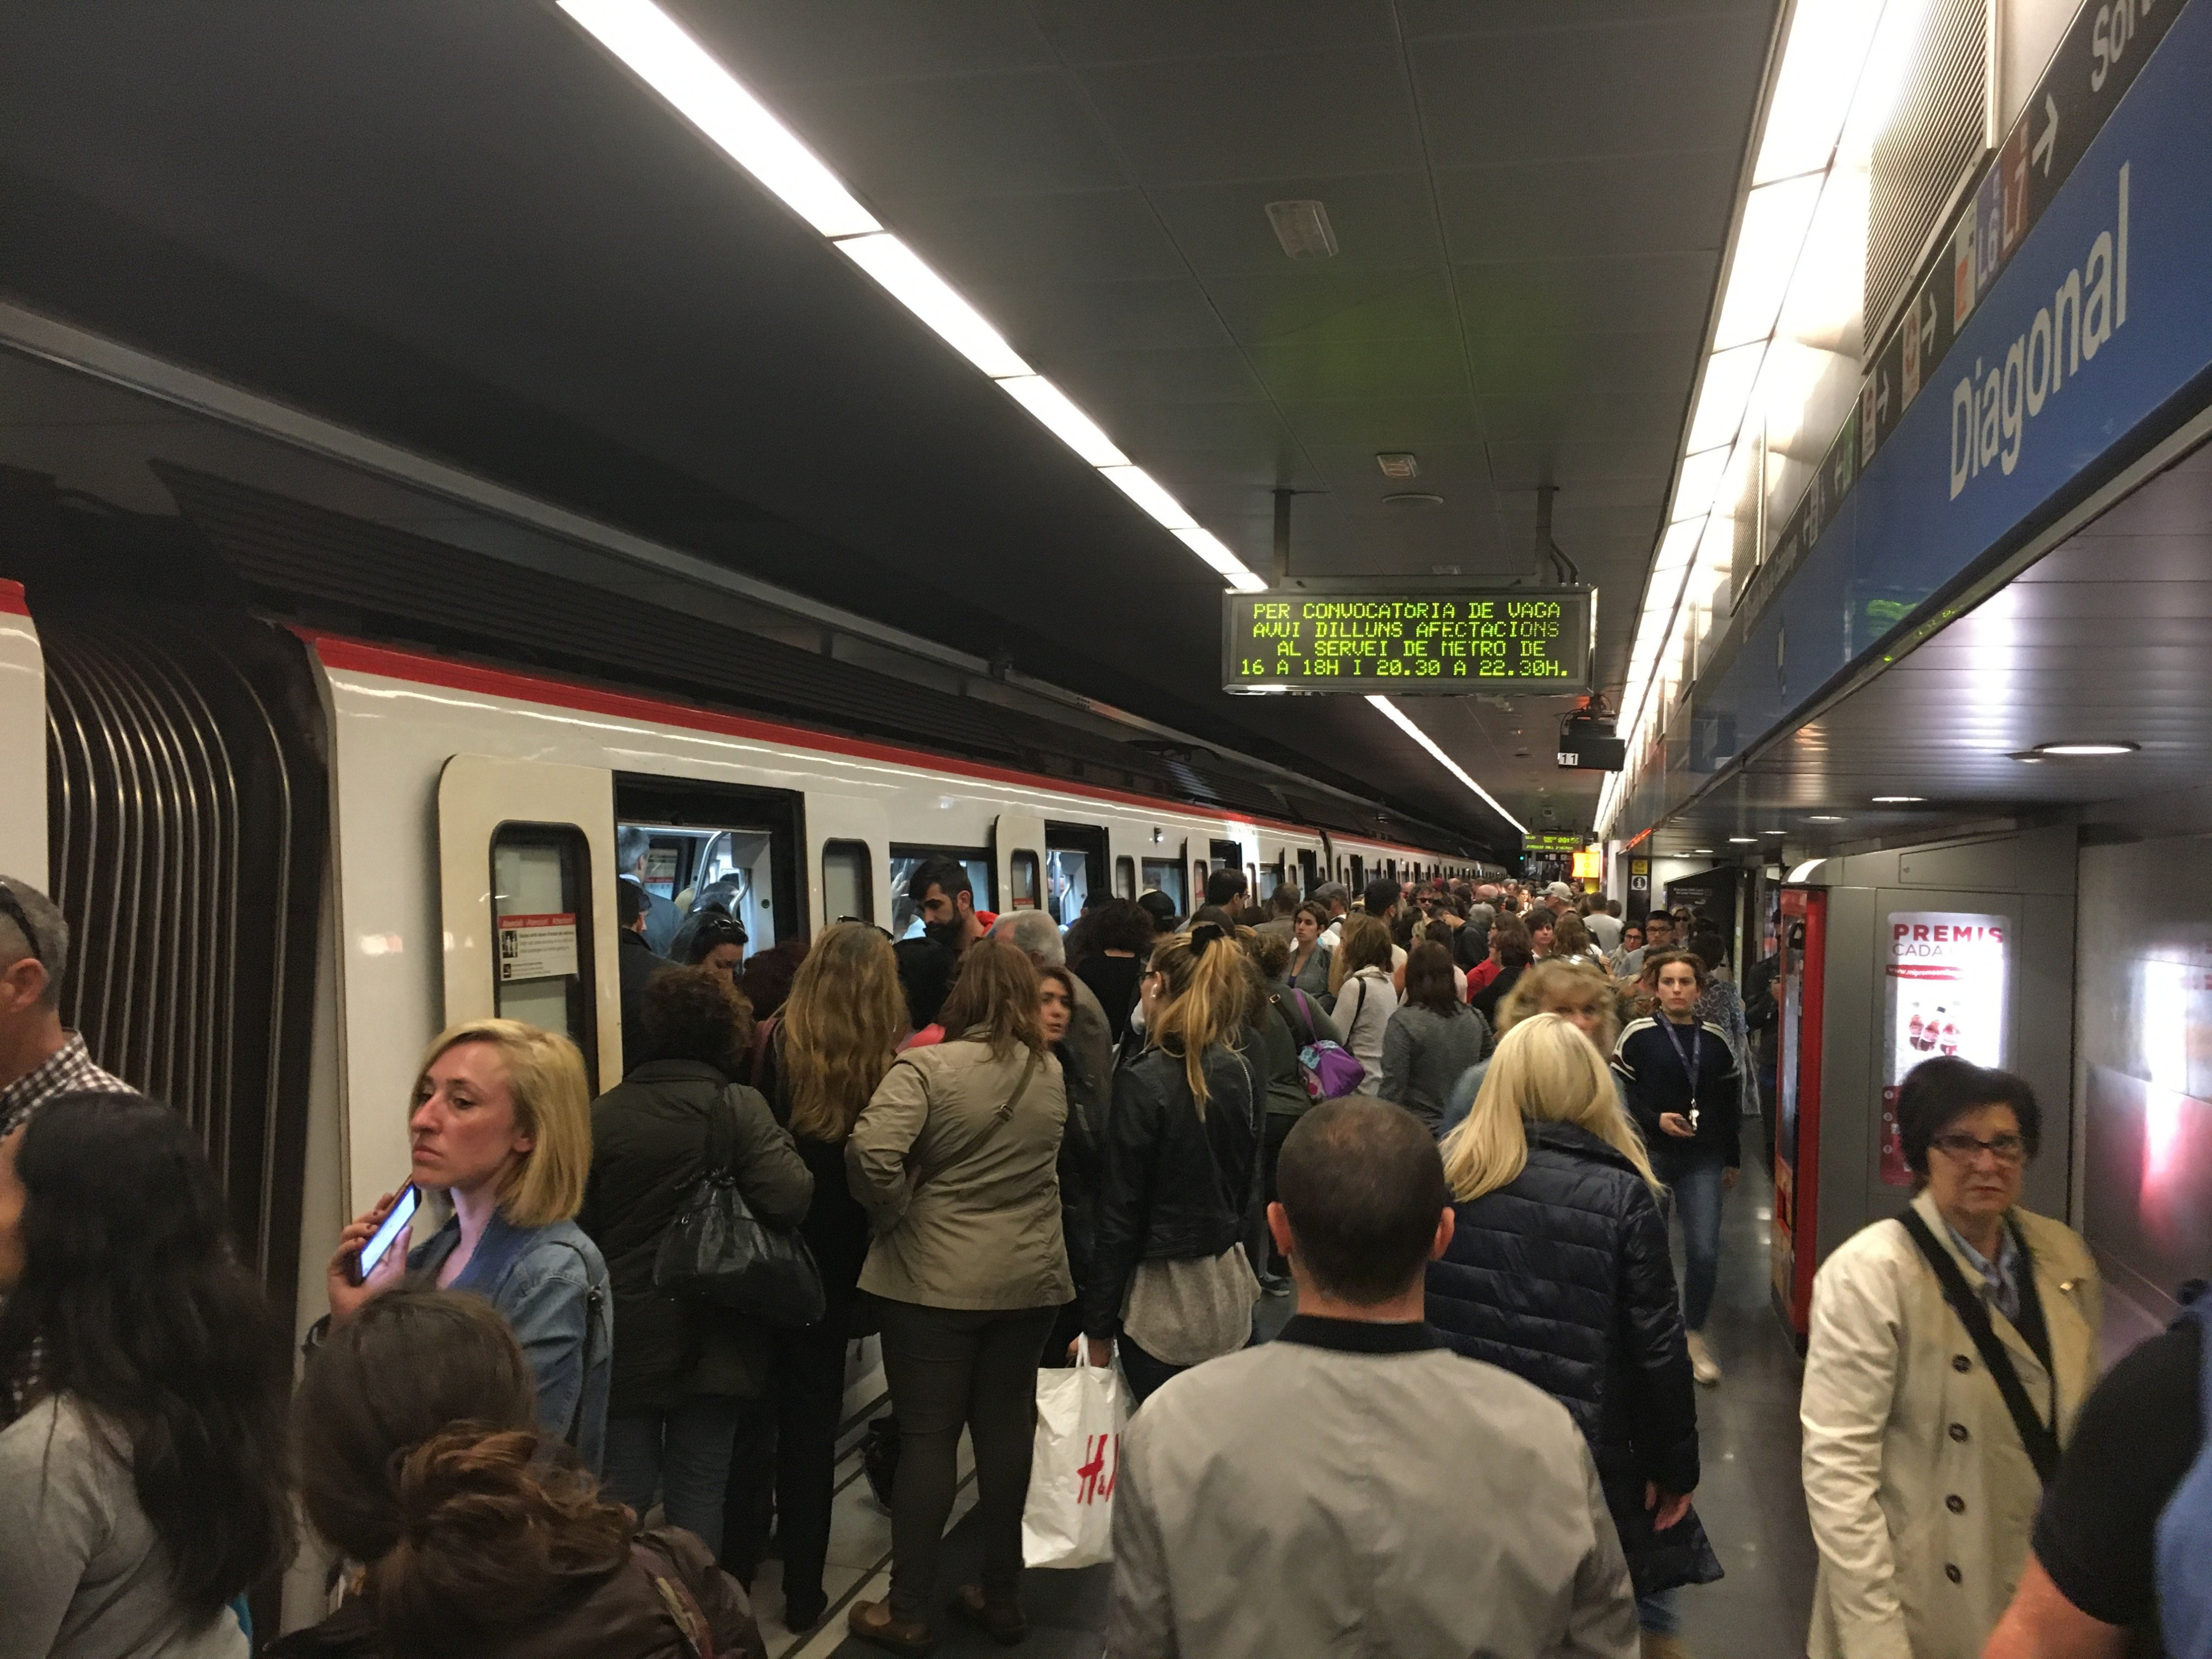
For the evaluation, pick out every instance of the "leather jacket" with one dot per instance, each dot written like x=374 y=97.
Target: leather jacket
x=1172 y=1186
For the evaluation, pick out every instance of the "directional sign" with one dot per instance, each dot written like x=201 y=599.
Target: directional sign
x=1406 y=638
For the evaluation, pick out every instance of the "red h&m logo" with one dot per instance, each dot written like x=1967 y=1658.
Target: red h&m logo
x=1103 y=1461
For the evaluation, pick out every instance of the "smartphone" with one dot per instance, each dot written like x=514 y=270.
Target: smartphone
x=393 y=1228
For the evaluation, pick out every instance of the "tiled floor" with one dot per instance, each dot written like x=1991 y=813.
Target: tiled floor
x=1752 y=1502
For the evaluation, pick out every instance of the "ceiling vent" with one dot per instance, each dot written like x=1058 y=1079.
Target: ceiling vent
x=1303 y=229
x=1413 y=498
x=1399 y=466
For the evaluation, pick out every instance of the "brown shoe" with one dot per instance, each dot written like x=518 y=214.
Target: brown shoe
x=1657 y=1646
x=998 y=1618
x=874 y=1623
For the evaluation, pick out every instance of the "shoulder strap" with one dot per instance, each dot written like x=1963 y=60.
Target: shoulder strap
x=763 y=1035
x=991 y=1124
x=2036 y=1434
x=1305 y=1018
x=676 y=1596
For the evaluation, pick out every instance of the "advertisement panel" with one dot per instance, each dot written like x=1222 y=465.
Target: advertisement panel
x=1944 y=994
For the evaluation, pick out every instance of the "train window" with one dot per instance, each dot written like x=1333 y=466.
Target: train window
x=1067 y=884
x=1125 y=877
x=1309 y=871
x=906 y=914
x=1252 y=881
x=1165 y=875
x=1022 y=881
x=541 y=911
x=848 y=882
x=1198 y=881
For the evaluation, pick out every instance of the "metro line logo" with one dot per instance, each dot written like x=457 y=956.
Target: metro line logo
x=1992 y=405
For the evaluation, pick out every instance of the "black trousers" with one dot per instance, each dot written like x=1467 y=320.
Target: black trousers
x=951 y=1368
x=1276 y=1128
x=783 y=1467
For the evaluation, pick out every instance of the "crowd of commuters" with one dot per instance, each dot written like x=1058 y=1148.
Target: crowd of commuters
x=1458 y=1122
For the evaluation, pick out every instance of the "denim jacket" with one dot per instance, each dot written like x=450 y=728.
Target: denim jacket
x=550 y=1283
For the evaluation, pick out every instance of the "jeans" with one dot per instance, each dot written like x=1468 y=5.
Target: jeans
x=783 y=1466
x=1655 y=1613
x=1144 y=1374
x=1696 y=1182
x=682 y=1454
x=949 y=1368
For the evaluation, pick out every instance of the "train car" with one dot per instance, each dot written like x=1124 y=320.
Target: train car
x=291 y=856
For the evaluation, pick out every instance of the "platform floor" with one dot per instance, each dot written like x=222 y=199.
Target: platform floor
x=1752 y=1501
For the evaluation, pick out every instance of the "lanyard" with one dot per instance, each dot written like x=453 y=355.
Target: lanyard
x=1690 y=1060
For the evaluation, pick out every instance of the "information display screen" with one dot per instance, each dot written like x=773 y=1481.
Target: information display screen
x=1400 y=640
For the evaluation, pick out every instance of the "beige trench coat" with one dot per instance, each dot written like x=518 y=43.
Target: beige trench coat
x=963 y=1195
x=1921 y=1495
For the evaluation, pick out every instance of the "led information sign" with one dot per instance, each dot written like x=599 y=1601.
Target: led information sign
x=1401 y=638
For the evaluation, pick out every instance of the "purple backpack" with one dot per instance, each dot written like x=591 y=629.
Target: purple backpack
x=1328 y=1069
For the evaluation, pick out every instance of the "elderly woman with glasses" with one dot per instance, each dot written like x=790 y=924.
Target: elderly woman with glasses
x=1950 y=1350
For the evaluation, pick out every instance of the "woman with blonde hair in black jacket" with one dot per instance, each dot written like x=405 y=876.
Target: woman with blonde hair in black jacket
x=1179 y=1168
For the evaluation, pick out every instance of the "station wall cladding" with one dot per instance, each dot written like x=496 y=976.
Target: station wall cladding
x=1368 y=641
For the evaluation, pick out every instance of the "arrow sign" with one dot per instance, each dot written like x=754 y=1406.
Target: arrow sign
x=2046 y=146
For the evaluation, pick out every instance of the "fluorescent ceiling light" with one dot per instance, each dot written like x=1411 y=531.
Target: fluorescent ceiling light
x=1208 y=547
x=2084 y=750
x=1806 y=869
x=705 y=94
x=1742 y=841
x=1700 y=482
x=1063 y=419
x=1399 y=720
x=1721 y=400
x=662 y=54
x=1303 y=229
x=931 y=298
x=1898 y=800
x=1813 y=92
x=1775 y=220
x=1140 y=487
x=1824 y=817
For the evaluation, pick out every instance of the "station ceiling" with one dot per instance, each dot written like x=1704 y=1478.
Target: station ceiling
x=464 y=228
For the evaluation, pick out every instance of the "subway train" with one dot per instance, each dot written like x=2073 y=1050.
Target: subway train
x=290 y=855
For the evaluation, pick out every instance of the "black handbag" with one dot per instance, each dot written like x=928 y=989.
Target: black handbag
x=718 y=1251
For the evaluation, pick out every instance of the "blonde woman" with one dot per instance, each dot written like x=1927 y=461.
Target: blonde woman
x=1558 y=1271
x=1577 y=991
x=501 y=1127
x=1178 y=1163
x=835 y=1038
x=1360 y=975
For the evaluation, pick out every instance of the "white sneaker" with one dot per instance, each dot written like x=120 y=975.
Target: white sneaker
x=1702 y=1364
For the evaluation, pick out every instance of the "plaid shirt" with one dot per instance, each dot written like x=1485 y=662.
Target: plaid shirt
x=69 y=1070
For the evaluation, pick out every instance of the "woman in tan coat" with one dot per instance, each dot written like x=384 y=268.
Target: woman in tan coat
x=1921 y=1487
x=955 y=1157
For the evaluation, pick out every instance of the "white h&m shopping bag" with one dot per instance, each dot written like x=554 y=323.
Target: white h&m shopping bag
x=1069 y=1519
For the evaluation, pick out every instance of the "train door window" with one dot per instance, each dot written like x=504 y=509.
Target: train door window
x=1023 y=881
x=1308 y=872
x=1359 y=871
x=1252 y=882
x=1125 y=877
x=1074 y=868
x=1198 y=870
x=723 y=851
x=906 y=914
x=848 y=882
x=1165 y=875
x=541 y=911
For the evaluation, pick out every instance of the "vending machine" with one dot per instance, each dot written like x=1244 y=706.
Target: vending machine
x=1890 y=958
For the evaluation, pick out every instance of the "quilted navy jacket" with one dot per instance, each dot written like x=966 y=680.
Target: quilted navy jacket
x=1562 y=1276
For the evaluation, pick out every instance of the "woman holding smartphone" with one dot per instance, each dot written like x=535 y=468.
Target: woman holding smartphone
x=502 y=1126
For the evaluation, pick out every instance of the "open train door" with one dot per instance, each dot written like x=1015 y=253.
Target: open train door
x=526 y=890
x=1018 y=844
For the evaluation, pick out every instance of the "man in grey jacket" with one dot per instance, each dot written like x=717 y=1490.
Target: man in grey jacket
x=1355 y=1485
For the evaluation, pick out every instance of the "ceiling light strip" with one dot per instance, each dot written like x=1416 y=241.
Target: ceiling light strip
x=1398 y=718
x=662 y=54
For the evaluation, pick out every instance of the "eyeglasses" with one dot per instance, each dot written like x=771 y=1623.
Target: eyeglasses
x=2005 y=1149
x=12 y=909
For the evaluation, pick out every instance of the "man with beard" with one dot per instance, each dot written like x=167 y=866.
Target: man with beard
x=943 y=896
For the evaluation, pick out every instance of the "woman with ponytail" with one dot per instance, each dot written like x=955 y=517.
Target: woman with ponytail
x=476 y=1535
x=1179 y=1170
